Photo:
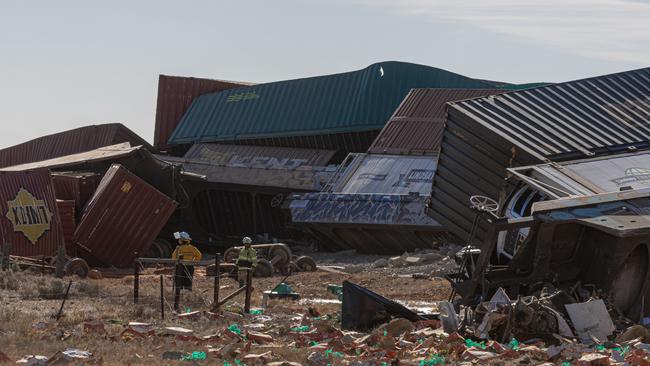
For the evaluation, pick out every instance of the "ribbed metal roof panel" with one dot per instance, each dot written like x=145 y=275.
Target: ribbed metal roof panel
x=417 y=125
x=175 y=95
x=353 y=101
x=572 y=119
x=69 y=142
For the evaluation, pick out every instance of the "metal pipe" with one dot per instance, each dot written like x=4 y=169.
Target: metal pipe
x=249 y=290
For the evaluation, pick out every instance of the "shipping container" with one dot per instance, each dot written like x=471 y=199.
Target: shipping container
x=138 y=160
x=242 y=187
x=175 y=95
x=70 y=142
x=592 y=117
x=29 y=219
x=124 y=216
x=75 y=186
x=349 y=102
x=418 y=123
x=68 y=222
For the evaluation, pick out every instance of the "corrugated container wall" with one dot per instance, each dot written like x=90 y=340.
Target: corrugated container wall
x=417 y=126
x=77 y=187
x=69 y=142
x=124 y=216
x=68 y=222
x=175 y=94
x=29 y=216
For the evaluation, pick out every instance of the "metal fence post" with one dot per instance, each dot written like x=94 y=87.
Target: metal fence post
x=177 y=288
x=249 y=290
x=136 y=279
x=65 y=297
x=162 y=299
x=215 y=300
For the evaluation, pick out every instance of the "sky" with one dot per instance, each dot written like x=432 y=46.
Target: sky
x=66 y=64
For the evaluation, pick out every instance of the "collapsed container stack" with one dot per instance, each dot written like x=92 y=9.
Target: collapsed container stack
x=273 y=123
x=82 y=198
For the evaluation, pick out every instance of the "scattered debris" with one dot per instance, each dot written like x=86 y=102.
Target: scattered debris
x=591 y=319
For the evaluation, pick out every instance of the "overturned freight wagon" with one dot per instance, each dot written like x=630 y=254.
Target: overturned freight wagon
x=238 y=190
x=375 y=202
x=571 y=211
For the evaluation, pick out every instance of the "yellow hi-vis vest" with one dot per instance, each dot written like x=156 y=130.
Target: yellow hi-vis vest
x=247 y=258
x=188 y=252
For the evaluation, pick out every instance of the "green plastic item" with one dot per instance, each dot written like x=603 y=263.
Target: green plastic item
x=470 y=343
x=257 y=312
x=283 y=288
x=336 y=290
x=434 y=360
x=600 y=347
x=304 y=328
x=235 y=329
x=514 y=344
x=195 y=356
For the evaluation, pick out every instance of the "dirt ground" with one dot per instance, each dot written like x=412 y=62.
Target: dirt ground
x=29 y=300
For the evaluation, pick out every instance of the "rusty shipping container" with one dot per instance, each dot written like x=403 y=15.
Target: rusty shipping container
x=68 y=222
x=75 y=186
x=69 y=142
x=175 y=94
x=417 y=126
x=29 y=218
x=124 y=216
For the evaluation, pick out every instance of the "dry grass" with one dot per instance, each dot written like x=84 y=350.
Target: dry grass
x=28 y=300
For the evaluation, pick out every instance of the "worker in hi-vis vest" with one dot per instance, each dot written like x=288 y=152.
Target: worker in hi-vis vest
x=187 y=252
x=247 y=260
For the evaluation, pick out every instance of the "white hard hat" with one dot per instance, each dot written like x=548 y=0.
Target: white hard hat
x=247 y=240
x=182 y=235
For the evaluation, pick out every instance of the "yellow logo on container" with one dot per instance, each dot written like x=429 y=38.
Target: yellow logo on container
x=126 y=187
x=29 y=215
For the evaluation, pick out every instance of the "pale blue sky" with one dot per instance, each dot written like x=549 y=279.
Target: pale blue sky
x=65 y=64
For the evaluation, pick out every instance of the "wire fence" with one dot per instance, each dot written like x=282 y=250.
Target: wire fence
x=154 y=290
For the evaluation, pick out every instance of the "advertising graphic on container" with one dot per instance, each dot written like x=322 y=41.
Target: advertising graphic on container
x=28 y=213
